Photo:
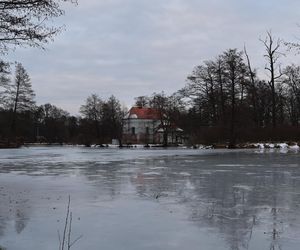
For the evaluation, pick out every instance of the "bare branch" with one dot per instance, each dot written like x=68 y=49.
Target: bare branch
x=66 y=224
x=59 y=239
x=77 y=239
x=66 y=237
x=27 y=22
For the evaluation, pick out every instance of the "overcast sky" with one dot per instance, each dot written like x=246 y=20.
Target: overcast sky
x=136 y=47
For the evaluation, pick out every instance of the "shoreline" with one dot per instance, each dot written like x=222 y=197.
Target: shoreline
x=258 y=145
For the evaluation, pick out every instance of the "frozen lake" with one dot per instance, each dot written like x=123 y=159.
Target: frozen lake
x=150 y=199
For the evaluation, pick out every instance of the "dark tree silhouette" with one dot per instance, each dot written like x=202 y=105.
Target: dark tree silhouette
x=142 y=101
x=92 y=111
x=28 y=22
x=272 y=55
x=20 y=96
x=235 y=72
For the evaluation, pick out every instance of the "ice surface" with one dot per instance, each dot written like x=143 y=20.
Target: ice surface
x=151 y=198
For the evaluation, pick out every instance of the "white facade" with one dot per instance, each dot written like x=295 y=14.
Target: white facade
x=144 y=126
x=140 y=130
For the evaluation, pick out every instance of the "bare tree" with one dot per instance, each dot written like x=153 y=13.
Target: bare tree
x=142 y=101
x=159 y=101
x=234 y=71
x=221 y=95
x=92 y=110
x=202 y=84
x=292 y=84
x=112 y=118
x=28 y=22
x=272 y=55
x=252 y=87
x=168 y=108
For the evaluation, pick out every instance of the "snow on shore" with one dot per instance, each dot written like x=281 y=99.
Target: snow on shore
x=282 y=146
x=293 y=146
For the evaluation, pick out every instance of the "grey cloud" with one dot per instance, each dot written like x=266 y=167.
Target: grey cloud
x=134 y=47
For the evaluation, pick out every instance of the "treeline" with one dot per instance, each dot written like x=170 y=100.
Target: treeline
x=224 y=101
x=21 y=120
x=233 y=104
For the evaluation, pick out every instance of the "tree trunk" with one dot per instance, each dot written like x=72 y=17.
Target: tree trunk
x=253 y=90
x=232 y=139
x=14 y=114
x=273 y=93
x=165 y=137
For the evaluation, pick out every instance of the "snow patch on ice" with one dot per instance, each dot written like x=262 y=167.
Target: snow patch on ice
x=231 y=165
x=152 y=173
x=104 y=162
x=244 y=187
x=185 y=174
x=155 y=168
x=223 y=170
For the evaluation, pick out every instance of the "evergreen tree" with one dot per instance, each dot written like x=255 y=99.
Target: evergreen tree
x=19 y=95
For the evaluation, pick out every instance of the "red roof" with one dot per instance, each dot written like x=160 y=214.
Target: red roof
x=145 y=113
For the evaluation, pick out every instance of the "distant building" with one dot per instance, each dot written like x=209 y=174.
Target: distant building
x=140 y=125
x=144 y=126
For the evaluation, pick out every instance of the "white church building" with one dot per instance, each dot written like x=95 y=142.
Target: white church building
x=142 y=125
